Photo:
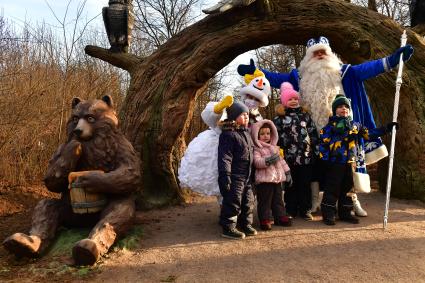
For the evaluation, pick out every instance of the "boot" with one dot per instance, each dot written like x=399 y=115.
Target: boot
x=358 y=210
x=23 y=245
x=265 y=225
x=233 y=233
x=315 y=197
x=249 y=230
x=285 y=221
x=224 y=103
x=328 y=213
x=85 y=252
x=349 y=218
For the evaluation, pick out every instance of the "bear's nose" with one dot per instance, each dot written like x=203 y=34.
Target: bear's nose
x=78 y=132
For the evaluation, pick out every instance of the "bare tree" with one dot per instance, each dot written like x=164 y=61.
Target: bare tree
x=159 y=20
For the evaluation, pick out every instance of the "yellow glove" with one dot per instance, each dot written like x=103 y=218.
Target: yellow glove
x=224 y=103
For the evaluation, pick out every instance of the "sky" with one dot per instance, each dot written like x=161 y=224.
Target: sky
x=34 y=11
x=38 y=11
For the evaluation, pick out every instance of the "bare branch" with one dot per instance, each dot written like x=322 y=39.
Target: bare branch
x=124 y=61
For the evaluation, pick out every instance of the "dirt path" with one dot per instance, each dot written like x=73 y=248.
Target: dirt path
x=183 y=244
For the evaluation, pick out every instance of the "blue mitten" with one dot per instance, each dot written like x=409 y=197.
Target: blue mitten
x=394 y=58
x=246 y=69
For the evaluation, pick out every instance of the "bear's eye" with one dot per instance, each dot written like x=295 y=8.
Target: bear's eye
x=90 y=119
x=75 y=119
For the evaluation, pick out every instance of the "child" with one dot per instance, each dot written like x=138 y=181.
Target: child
x=198 y=167
x=235 y=156
x=339 y=141
x=298 y=138
x=271 y=171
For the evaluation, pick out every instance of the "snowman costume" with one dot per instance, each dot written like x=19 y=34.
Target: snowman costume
x=198 y=168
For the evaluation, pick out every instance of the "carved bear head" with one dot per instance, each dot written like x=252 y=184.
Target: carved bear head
x=89 y=116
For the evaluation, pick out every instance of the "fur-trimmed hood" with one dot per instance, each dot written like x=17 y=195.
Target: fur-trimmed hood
x=280 y=110
x=255 y=128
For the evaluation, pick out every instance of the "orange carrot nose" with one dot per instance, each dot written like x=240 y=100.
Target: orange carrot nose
x=260 y=83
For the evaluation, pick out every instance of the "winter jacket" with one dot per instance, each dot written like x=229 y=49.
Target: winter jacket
x=341 y=146
x=298 y=136
x=235 y=152
x=273 y=173
x=352 y=78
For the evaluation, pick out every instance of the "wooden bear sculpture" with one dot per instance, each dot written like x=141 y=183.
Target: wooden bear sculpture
x=98 y=159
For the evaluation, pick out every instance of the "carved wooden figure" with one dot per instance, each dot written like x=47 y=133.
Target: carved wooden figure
x=119 y=20
x=112 y=169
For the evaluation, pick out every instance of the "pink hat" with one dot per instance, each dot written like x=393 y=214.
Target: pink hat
x=287 y=92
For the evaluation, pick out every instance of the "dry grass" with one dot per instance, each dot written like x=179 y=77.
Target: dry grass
x=36 y=88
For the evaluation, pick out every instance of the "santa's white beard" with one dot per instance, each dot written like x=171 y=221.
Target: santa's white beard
x=320 y=83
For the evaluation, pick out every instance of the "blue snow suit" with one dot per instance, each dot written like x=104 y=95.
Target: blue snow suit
x=235 y=157
x=340 y=141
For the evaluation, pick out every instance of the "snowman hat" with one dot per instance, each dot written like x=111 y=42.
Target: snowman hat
x=257 y=86
x=321 y=43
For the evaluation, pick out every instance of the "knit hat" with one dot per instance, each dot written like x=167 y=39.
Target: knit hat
x=236 y=109
x=339 y=100
x=287 y=92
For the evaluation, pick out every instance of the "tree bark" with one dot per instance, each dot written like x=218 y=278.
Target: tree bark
x=163 y=88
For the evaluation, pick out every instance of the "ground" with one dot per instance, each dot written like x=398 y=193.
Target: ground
x=183 y=244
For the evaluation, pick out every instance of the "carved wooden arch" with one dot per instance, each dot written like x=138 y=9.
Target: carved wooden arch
x=163 y=87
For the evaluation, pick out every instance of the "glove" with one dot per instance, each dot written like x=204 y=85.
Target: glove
x=394 y=58
x=289 y=180
x=224 y=103
x=247 y=69
x=272 y=159
x=224 y=182
x=390 y=125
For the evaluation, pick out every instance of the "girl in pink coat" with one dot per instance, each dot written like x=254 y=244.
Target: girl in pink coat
x=271 y=171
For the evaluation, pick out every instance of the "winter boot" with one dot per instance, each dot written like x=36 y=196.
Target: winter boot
x=233 y=233
x=328 y=213
x=249 y=230
x=284 y=221
x=85 y=252
x=315 y=197
x=358 y=210
x=23 y=245
x=308 y=216
x=265 y=225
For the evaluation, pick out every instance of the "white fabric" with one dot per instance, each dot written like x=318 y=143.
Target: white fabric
x=198 y=168
x=361 y=182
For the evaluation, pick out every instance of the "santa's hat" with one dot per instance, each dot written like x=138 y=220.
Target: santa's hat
x=287 y=92
x=321 y=43
x=257 y=86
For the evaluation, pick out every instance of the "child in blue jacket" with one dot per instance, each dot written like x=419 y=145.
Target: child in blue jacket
x=338 y=144
x=235 y=157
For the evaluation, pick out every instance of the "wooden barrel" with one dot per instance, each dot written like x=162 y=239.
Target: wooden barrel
x=82 y=201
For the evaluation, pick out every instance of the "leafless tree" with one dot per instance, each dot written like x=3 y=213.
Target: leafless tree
x=158 y=20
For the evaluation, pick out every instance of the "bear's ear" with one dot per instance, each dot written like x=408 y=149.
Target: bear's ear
x=75 y=102
x=108 y=100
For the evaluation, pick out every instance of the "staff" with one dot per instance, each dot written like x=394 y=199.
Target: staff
x=395 y=113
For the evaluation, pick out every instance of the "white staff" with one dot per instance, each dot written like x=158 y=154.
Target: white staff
x=393 y=133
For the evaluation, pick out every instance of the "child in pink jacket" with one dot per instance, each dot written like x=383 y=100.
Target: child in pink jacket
x=270 y=171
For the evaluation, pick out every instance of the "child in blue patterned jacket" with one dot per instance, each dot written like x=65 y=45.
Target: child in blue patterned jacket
x=338 y=145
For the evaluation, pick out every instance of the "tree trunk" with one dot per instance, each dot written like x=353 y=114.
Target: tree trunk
x=161 y=97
